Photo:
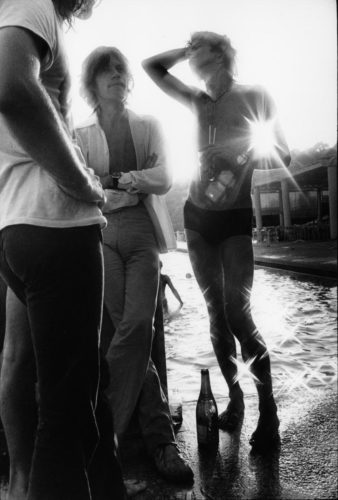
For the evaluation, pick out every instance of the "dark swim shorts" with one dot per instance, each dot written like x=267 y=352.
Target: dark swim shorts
x=217 y=225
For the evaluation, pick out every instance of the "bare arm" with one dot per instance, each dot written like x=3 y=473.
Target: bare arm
x=174 y=291
x=281 y=155
x=157 y=68
x=31 y=118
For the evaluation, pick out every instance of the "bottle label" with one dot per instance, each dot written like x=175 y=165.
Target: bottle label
x=207 y=435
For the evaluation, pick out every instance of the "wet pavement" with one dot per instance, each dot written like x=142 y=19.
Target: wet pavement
x=304 y=468
x=318 y=258
x=310 y=257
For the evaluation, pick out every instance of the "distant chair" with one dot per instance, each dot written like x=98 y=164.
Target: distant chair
x=180 y=235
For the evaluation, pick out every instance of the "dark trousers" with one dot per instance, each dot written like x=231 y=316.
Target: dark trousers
x=58 y=274
x=3 y=288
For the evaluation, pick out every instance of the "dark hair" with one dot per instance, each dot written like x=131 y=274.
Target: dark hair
x=68 y=8
x=218 y=43
x=97 y=61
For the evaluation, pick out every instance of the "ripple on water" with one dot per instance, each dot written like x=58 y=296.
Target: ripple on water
x=295 y=315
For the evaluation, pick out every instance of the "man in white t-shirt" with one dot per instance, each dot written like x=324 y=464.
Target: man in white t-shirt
x=50 y=258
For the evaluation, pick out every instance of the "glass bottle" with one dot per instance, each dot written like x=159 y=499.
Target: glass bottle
x=175 y=406
x=206 y=413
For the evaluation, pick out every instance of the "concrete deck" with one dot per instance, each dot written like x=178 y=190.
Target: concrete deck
x=304 y=468
x=318 y=258
x=310 y=257
x=306 y=465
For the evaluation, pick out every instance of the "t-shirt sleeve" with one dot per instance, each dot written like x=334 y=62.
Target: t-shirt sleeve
x=37 y=16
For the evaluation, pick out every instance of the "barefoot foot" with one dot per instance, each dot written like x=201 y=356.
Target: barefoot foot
x=232 y=417
x=266 y=436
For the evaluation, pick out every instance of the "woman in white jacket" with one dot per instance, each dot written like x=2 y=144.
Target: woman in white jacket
x=126 y=152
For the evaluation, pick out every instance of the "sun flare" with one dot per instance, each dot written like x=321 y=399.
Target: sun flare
x=262 y=138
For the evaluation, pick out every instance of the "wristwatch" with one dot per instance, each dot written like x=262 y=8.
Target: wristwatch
x=242 y=159
x=115 y=176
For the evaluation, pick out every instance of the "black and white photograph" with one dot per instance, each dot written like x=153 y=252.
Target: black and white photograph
x=168 y=250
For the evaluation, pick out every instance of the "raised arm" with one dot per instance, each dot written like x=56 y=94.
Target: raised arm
x=30 y=115
x=157 y=68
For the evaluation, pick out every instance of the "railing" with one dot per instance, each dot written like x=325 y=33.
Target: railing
x=273 y=234
x=318 y=231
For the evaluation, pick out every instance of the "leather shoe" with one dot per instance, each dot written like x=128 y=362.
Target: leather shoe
x=171 y=465
x=133 y=487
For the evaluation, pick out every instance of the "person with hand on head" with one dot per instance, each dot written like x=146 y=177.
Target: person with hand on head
x=126 y=151
x=51 y=260
x=218 y=212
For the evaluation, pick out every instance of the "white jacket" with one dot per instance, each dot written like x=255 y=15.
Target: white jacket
x=154 y=181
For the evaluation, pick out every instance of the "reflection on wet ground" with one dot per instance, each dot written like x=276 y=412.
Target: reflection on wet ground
x=304 y=467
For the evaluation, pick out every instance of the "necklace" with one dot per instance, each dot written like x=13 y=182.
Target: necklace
x=210 y=107
x=225 y=91
x=220 y=95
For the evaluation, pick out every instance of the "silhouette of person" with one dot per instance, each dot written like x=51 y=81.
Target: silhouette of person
x=218 y=211
x=164 y=282
x=126 y=151
x=50 y=226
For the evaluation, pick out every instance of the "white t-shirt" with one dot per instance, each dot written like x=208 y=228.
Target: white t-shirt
x=28 y=193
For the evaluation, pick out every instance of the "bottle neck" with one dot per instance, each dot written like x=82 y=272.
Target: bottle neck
x=205 y=383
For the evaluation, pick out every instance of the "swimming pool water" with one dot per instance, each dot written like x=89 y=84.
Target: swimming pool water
x=296 y=315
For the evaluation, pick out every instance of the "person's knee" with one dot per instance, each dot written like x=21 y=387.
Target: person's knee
x=237 y=323
x=18 y=380
x=218 y=324
x=143 y=327
x=238 y=310
x=137 y=331
x=253 y=346
x=215 y=305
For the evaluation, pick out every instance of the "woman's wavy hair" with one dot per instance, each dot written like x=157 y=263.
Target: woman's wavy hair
x=96 y=62
x=67 y=9
x=218 y=43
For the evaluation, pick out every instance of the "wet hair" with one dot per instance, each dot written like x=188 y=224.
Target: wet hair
x=218 y=43
x=68 y=8
x=95 y=63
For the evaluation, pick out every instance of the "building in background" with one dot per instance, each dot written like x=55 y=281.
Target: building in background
x=299 y=205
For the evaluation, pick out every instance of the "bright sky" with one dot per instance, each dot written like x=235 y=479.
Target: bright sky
x=288 y=46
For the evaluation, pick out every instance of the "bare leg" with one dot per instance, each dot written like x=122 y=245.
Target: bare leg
x=207 y=264
x=238 y=265
x=17 y=396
